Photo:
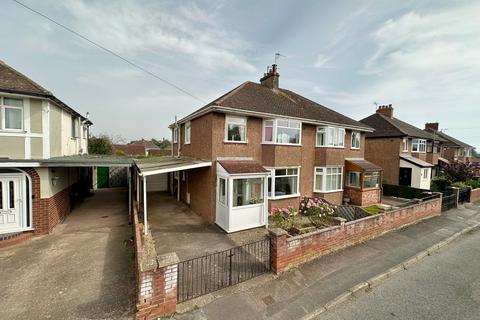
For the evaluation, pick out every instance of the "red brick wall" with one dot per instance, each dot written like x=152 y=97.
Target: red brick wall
x=362 y=198
x=290 y=252
x=475 y=195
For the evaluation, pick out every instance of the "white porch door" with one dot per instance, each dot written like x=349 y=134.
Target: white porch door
x=11 y=203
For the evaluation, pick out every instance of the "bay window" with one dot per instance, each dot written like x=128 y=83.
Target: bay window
x=419 y=145
x=353 y=179
x=328 y=179
x=247 y=191
x=283 y=182
x=11 y=113
x=355 y=140
x=235 y=129
x=331 y=137
x=371 y=180
x=282 y=131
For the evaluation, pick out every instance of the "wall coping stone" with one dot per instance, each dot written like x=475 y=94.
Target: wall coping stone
x=278 y=232
x=167 y=259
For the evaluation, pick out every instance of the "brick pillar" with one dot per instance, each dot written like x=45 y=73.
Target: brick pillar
x=278 y=248
x=157 y=296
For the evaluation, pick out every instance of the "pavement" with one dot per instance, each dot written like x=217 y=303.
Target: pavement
x=83 y=270
x=302 y=291
x=446 y=285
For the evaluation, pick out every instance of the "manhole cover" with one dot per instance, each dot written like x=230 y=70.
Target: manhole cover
x=268 y=300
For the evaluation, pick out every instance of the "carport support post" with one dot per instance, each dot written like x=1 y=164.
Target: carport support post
x=178 y=186
x=145 y=223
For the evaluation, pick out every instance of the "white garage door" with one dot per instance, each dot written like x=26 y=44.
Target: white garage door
x=158 y=182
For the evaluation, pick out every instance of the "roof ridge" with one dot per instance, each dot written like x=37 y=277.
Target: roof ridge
x=228 y=94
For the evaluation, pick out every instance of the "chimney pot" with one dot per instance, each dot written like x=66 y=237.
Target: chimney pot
x=433 y=126
x=386 y=110
x=270 y=79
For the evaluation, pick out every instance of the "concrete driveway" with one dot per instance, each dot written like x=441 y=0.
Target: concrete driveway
x=176 y=228
x=83 y=270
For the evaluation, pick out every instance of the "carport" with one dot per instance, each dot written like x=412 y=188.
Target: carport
x=152 y=169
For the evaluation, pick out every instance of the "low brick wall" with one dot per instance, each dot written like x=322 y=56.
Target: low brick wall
x=156 y=276
x=475 y=195
x=288 y=252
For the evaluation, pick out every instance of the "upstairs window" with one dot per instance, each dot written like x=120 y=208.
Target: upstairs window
x=419 y=145
x=405 y=144
x=75 y=130
x=11 y=113
x=187 y=132
x=331 y=137
x=282 y=131
x=235 y=129
x=355 y=140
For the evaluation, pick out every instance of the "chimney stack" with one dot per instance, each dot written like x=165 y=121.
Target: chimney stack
x=270 y=78
x=431 y=126
x=386 y=110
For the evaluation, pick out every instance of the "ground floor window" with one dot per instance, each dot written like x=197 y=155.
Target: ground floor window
x=283 y=182
x=353 y=179
x=371 y=180
x=222 y=191
x=328 y=179
x=247 y=191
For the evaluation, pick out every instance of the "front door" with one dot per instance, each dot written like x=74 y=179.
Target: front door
x=405 y=177
x=10 y=204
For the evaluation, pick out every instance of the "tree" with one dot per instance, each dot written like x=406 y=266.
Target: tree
x=162 y=144
x=458 y=171
x=100 y=145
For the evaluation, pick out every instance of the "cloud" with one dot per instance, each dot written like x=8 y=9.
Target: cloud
x=322 y=61
x=135 y=28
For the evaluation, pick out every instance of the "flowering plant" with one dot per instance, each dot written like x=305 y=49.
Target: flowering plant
x=316 y=207
x=285 y=212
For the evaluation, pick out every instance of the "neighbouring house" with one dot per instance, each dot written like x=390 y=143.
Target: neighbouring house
x=265 y=146
x=452 y=149
x=407 y=154
x=44 y=165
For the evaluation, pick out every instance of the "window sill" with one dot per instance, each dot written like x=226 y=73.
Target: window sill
x=331 y=191
x=186 y=143
x=246 y=206
x=355 y=149
x=329 y=147
x=419 y=152
x=235 y=142
x=281 y=144
x=285 y=197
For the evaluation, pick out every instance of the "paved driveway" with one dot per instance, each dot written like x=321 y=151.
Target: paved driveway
x=83 y=270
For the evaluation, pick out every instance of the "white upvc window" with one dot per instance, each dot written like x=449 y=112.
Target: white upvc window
x=328 y=179
x=188 y=129
x=222 y=191
x=355 y=140
x=235 y=129
x=419 y=145
x=405 y=144
x=332 y=137
x=175 y=134
x=282 y=131
x=425 y=173
x=371 y=180
x=284 y=182
x=11 y=110
x=75 y=129
x=353 y=179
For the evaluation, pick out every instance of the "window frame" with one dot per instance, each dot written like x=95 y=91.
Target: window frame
x=405 y=144
x=275 y=127
x=330 y=136
x=373 y=173
x=355 y=134
x=175 y=135
x=419 y=142
x=188 y=132
x=425 y=174
x=75 y=127
x=347 y=179
x=233 y=194
x=223 y=190
x=231 y=117
x=324 y=175
x=271 y=178
x=3 y=108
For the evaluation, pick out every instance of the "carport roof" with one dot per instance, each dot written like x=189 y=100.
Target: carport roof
x=70 y=161
x=158 y=165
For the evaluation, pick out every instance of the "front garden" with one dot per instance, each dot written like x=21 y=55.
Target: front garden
x=314 y=214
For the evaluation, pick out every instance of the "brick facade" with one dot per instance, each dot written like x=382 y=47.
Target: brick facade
x=288 y=252
x=363 y=198
x=475 y=195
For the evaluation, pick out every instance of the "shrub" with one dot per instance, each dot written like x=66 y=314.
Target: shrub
x=459 y=171
x=316 y=207
x=440 y=183
x=460 y=185
x=474 y=183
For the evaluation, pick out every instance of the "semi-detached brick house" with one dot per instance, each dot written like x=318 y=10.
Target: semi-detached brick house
x=43 y=165
x=408 y=155
x=268 y=147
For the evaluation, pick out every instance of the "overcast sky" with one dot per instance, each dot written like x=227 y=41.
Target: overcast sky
x=421 y=56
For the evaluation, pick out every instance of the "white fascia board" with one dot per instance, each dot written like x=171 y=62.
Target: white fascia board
x=173 y=169
x=19 y=164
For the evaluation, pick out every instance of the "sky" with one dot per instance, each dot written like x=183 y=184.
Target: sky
x=420 y=56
